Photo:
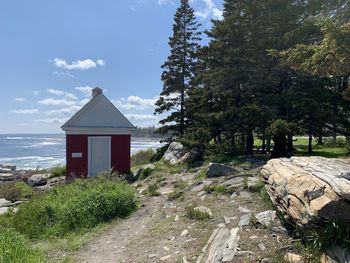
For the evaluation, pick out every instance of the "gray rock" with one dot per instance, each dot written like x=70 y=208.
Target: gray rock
x=309 y=190
x=217 y=169
x=177 y=153
x=7 y=177
x=4 y=168
x=244 y=209
x=4 y=202
x=38 y=179
x=245 y=220
x=5 y=210
x=266 y=218
x=266 y=260
x=338 y=254
x=245 y=194
x=262 y=247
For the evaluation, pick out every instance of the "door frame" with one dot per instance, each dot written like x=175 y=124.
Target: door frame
x=109 y=155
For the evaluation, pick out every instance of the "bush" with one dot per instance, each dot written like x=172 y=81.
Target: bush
x=179 y=188
x=159 y=153
x=70 y=208
x=141 y=157
x=191 y=213
x=144 y=173
x=15 y=191
x=14 y=248
x=220 y=189
x=152 y=190
x=57 y=171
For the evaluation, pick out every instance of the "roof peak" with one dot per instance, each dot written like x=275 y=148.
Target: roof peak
x=96 y=91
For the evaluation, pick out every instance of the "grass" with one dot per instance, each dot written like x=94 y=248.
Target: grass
x=15 y=248
x=194 y=214
x=74 y=208
x=57 y=171
x=324 y=151
x=142 y=157
x=15 y=191
x=178 y=193
x=219 y=189
x=152 y=190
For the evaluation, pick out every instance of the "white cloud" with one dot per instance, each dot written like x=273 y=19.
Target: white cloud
x=64 y=111
x=57 y=102
x=164 y=2
x=86 y=90
x=209 y=10
x=26 y=111
x=52 y=120
x=134 y=102
x=20 y=99
x=56 y=92
x=63 y=74
x=141 y=117
x=79 y=64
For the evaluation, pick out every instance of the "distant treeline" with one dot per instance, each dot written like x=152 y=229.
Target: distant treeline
x=146 y=132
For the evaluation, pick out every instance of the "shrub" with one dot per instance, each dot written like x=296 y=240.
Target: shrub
x=152 y=190
x=70 y=208
x=15 y=191
x=194 y=214
x=14 y=248
x=142 y=157
x=57 y=171
x=159 y=153
x=144 y=173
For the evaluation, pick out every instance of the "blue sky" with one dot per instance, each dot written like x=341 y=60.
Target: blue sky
x=53 y=52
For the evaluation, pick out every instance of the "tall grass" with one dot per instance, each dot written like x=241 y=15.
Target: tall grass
x=16 y=249
x=75 y=207
x=142 y=157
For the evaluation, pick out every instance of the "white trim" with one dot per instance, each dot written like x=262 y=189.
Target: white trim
x=98 y=131
x=90 y=138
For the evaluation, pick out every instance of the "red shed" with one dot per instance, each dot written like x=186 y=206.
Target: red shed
x=97 y=138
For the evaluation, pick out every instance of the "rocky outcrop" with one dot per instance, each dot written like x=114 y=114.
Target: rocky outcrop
x=309 y=190
x=38 y=179
x=217 y=169
x=177 y=153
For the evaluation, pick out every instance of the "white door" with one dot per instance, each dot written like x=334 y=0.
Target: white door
x=99 y=149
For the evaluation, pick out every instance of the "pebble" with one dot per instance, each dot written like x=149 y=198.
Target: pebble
x=227 y=220
x=184 y=233
x=165 y=258
x=243 y=209
x=166 y=248
x=176 y=218
x=262 y=247
x=253 y=237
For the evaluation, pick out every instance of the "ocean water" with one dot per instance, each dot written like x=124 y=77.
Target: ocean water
x=48 y=150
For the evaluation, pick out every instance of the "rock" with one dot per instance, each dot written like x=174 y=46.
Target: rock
x=38 y=179
x=338 y=254
x=244 y=209
x=177 y=153
x=266 y=260
x=166 y=248
x=165 y=258
x=262 y=247
x=204 y=210
x=217 y=169
x=7 y=168
x=309 y=190
x=5 y=210
x=293 y=258
x=7 y=177
x=227 y=220
x=184 y=260
x=221 y=246
x=245 y=194
x=245 y=220
x=199 y=186
x=184 y=233
x=280 y=230
x=176 y=218
x=4 y=202
x=266 y=218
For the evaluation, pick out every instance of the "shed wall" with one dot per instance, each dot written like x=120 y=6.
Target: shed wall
x=78 y=167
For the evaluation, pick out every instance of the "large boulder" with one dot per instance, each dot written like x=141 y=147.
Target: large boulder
x=177 y=153
x=217 y=169
x=38 y=179
x=309 y=190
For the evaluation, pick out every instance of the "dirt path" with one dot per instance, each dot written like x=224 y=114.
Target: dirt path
x=111 y=246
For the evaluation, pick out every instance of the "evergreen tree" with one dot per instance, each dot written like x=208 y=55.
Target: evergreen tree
x=178 y=70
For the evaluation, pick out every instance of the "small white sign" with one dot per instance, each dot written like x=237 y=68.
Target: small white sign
x=77 y=155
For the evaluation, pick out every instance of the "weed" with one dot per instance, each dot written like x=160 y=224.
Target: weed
x=15 y=191
x=257 y=187
x=176 y=195
x=70 y=208
x=219 y=189
x=57 y=171
x=142 y=157
x=195 y=214
x=15 y=248
x=152 y=190
x=245 y=183
x=144 y=173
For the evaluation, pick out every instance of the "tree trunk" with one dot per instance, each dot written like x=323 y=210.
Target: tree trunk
x=280 y=147
x=242 y=142
x=268 y=144
x=310 y=140
x=249 y=142
x=263 y=146
x=320 y=140
x=290 y=144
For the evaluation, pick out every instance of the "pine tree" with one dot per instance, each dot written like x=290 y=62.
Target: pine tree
x=178 y=70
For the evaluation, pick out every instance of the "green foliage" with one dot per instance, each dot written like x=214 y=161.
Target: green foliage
x=80 y=205
x=257 y=187
x=178 y=70
x=193 y=214
x=142 y=157
x=144 y=173
x=57 y=171
x=152 y=190
x=15 y=191
x=157 y=156
x=179 y=187
x=14 y=248
x=219 y=189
